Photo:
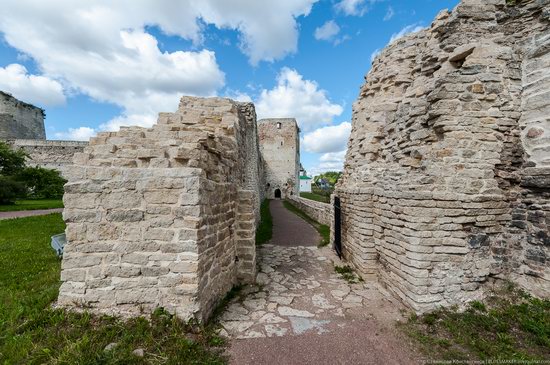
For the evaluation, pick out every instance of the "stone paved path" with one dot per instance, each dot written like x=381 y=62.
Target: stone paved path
x=302 y=312
x=28 y=213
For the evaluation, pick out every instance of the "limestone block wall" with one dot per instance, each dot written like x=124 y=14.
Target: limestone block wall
x=321 y=212
x=154 y=216
x=445 y=184
x=280 y=149
x=19 y=120
x=51 y=154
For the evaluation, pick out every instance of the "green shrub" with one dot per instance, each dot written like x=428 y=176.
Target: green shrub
x=10 y=190
x=42 y=183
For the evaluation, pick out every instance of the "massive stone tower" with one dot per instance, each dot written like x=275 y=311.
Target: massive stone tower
x=447 y=176
x=280 y=148
x=19 y=120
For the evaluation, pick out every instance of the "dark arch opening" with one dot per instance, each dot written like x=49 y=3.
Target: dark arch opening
x=277 y=193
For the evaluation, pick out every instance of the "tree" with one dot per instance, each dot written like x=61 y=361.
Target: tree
x=11 y=162
x=10 y=190
x=330 y=176
x=42 y=183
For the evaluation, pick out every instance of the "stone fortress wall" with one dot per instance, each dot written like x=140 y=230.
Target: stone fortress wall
x=321 y=212
x=51 y=154
x=22 y=127
x=19 y=119
x=280 y=148
x=165 y=216
x=446 y=183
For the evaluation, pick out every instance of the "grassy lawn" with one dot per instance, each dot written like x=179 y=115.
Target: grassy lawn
x=31 y=332
x=508 y=325
x=316 y=197
x=323 y=229
x=265 y=229
x=32 y=205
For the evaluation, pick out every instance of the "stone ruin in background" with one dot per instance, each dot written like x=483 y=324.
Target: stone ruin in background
x=165 y=216
x=447 y=177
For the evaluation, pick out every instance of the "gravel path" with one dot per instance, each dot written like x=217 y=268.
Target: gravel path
x=28 y=213
x=302 y=312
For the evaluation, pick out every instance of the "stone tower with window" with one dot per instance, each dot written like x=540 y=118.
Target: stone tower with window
x=280 y=149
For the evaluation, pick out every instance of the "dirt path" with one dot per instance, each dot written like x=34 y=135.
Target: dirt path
x=28 y=213
x=302 y=312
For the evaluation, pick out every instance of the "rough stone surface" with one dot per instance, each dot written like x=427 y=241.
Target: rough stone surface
x=165 y=216
x=280 y=149
x=19 y=120
x=446 y=181
x=302 y=296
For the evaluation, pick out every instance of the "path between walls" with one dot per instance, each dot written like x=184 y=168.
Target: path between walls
x=302 y=312
x=28 y=213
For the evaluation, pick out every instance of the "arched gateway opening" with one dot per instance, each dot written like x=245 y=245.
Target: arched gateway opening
x=277 y=193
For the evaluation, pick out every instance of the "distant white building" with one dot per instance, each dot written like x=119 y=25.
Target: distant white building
x=305 y=182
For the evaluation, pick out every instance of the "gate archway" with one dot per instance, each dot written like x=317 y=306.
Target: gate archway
x=277 y=193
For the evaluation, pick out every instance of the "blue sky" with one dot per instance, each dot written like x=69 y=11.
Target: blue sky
x=96 y=65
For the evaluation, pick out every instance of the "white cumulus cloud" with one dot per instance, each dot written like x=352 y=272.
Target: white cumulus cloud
x=33 y=89
x=76 y=134
x=294 y=97
x=327 y=31
x=354 y=7
x=103 y=49
x=327 y=139
x=412 y=28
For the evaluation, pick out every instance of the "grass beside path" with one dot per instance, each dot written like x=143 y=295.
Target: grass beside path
x=32 y=205
x=323 y=229
x=264 y=232
x=509 y=325
x=31 y=332
x=316 y=197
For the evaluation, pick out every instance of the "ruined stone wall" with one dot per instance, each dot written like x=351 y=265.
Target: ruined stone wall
x=55 y=155
x=165 y=216
x=19 y=120
x=321 y=212
x=280 y=149
x=446 y=178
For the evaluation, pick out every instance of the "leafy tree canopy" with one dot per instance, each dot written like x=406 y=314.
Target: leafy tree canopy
x=330 y=176
x=11 y=162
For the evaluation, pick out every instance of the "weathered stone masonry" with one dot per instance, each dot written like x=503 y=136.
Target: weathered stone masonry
x=447 y=175
x=165 y=216
x=19 y=119
x=51 y=154
x=280 y=149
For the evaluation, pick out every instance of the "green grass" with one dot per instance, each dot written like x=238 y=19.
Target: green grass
x=32 y=205
x=347 y=273
x=323 y=229
x=31 y=332
x=508 y=325
x=264 y=232
x=316 y=197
